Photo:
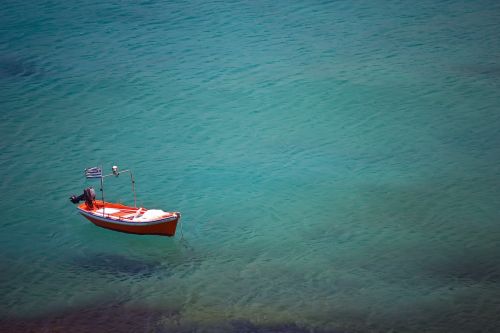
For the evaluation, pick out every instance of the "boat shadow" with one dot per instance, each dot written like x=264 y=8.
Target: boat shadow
x=182 y=262
x=116 y=264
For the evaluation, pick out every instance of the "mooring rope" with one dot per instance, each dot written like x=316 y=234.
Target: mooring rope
x=182 y=232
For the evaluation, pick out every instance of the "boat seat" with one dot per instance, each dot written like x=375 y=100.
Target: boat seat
x=106 y=211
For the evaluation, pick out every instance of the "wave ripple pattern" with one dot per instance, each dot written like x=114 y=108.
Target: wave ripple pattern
x=336 y=164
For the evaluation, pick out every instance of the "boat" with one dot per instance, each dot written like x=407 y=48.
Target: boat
x=120 y=217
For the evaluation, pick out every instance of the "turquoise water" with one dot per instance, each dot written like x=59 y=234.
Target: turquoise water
x=336 y=165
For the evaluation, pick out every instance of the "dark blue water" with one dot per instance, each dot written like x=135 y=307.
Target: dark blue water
x=336 y=165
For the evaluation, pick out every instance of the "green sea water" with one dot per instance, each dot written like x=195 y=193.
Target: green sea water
x=336 y=165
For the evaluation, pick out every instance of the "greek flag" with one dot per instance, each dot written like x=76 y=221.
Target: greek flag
x=94 y=172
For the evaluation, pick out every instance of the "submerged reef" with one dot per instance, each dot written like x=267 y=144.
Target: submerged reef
x=16 y=67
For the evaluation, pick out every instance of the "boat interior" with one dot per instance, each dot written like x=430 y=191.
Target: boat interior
x=129 y=214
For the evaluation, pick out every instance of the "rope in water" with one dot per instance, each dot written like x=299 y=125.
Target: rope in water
x=182 y=233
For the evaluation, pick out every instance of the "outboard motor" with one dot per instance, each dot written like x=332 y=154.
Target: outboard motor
x=88 y=195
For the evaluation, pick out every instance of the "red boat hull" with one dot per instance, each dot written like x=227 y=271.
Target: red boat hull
x=165 y=229
x=165 y=226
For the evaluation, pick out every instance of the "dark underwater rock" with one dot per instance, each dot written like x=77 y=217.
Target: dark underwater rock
x=114 y=317
x=484 y=70
x=15 y=67
x=248 y=327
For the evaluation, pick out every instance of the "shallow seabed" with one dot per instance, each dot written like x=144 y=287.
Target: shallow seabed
x=337 y=165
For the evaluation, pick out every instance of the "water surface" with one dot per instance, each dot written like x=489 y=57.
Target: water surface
x=336 y=165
